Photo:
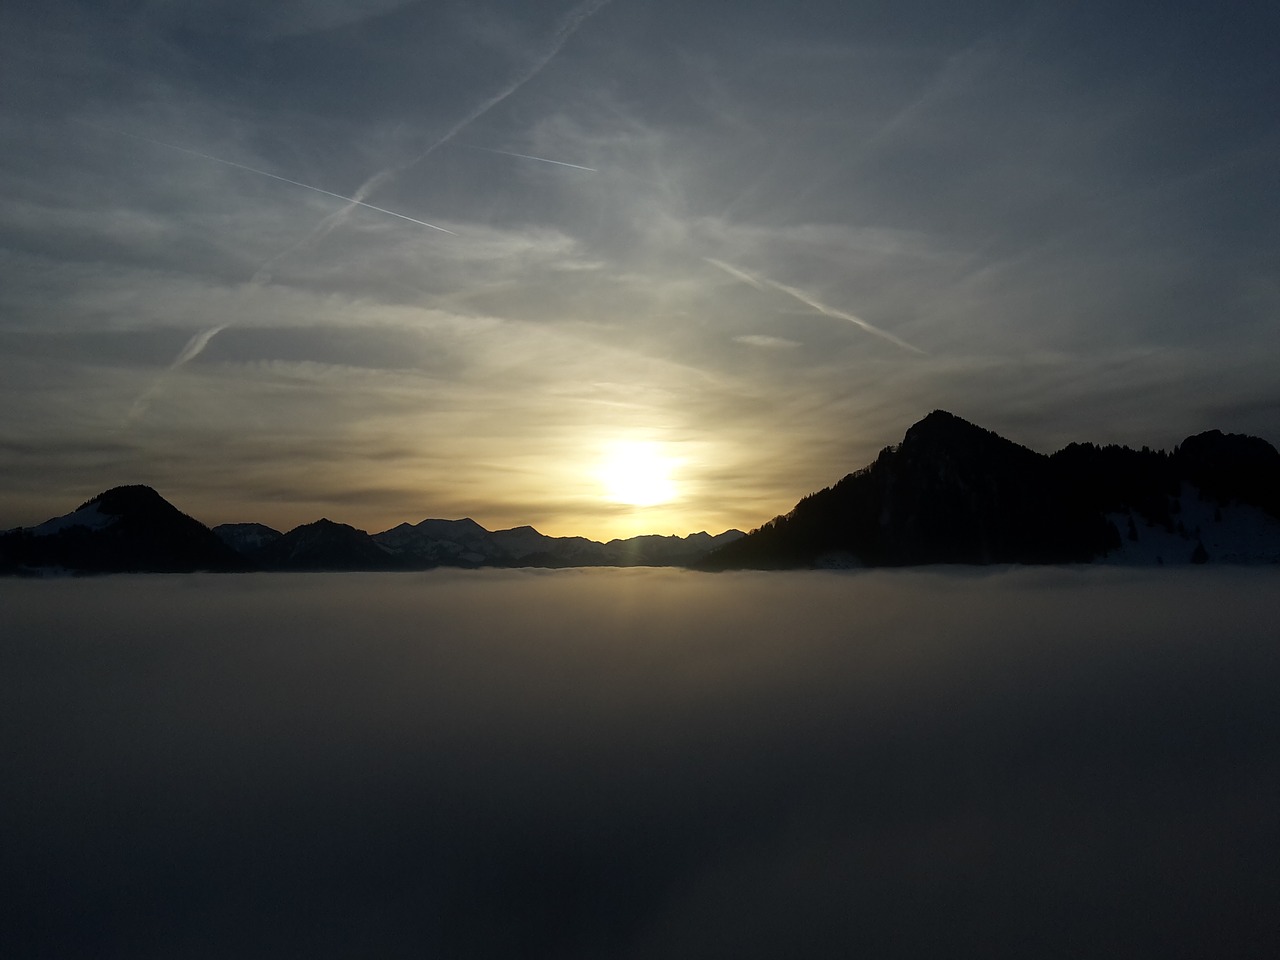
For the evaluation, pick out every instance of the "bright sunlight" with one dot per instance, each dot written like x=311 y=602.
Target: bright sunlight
x=637 y=472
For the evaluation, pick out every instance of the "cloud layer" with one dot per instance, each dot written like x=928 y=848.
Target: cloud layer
x=641 y=763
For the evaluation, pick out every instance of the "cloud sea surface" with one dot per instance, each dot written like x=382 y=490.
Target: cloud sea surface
x=1058 y=762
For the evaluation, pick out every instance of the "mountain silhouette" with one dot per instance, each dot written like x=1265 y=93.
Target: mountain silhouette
x=324 y=545
x=465 y=543
x=950 y=492
x=130 y=529
x=246 y=538
x=134 y=529
x=953 y=492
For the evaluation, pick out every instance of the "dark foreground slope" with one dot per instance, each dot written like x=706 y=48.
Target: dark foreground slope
x=953 y=492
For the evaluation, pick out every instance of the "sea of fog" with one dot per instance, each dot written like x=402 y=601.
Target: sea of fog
x=642 y=763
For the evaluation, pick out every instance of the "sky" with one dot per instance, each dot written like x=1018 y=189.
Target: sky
x=616 y=266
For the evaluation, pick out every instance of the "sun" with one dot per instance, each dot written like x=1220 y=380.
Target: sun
x=638 y=473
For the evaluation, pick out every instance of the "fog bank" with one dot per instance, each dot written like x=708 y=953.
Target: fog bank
x=642 y=763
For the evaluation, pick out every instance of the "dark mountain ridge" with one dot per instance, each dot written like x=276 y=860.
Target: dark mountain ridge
x=953 y=492
x=950 y=492
x=130 y=529
x=324 y=545
x=465 y=543
x=134 y=529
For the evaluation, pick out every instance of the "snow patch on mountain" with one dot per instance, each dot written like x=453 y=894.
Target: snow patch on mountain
x=90 y=516
x=1228 y=533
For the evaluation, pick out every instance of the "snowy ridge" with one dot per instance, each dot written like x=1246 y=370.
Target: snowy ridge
x=90 y=516
x=1228 y=533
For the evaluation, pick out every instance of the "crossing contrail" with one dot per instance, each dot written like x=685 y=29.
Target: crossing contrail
x=760 y=283
x=565 y=29
x=274 y=176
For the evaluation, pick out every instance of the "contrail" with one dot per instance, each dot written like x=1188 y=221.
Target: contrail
x=525 y=156
x=566 y=28
x=761 y=282
x=735 y=272
x=841 y=315
x=273 y=176
x=195 y=346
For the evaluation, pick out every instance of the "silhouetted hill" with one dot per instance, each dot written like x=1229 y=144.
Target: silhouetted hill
x=135 y=529
x=655 y=550
x=129 y=529
x=465 y=543
x=953 y=492
x=324 y=545
x=246 y=538
x=433 y=543
x=1227 y=466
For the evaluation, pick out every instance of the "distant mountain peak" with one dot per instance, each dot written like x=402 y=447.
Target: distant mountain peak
x=245 y=538
x=941 y=418
x=324 y=544
x=462 y=525
x=946 y=429
x=131 y=498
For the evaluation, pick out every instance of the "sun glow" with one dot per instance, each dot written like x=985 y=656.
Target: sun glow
x=638 y=473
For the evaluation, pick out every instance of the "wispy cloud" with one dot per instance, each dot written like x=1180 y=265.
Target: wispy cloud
x=770 y=343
